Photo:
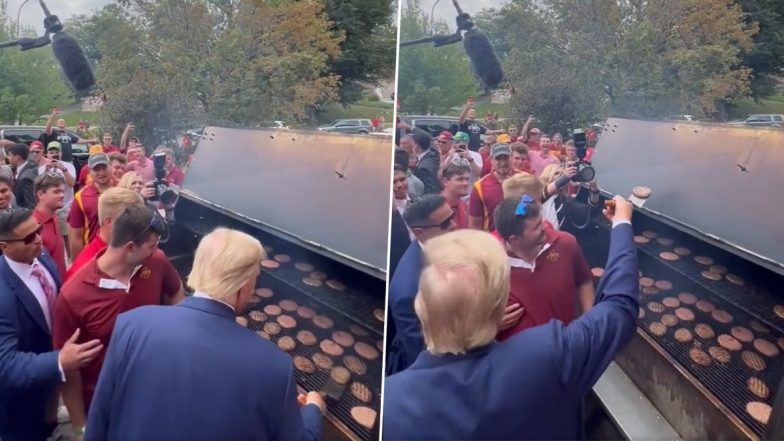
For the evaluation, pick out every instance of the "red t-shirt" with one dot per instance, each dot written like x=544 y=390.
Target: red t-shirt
x=111 y=149
x=83 y=173
x=549 y=290
x=485 y=196
x=175 y=176
x=52 y=239
x=82 y=304
x=84 y=212
x=461 y=214
x=533 y=145
x=91 y=250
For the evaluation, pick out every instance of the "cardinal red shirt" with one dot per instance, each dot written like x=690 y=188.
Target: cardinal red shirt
x=485 y=196
x=52 y=239
x=84 y=212
x=547 y=289
x=175 y=176
x=91 y=301
x=461 y=213
x=91 y=250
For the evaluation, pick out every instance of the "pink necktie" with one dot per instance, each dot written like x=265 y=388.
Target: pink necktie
x=49 y=292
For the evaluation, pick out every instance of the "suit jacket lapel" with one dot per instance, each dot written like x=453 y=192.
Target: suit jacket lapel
x=26 y=297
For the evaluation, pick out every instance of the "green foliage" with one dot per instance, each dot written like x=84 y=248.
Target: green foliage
x=31 y=81
x=766 y=58
x=431 y=80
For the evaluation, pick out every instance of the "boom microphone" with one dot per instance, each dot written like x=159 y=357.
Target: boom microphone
x=484 y=62
x=73 y=61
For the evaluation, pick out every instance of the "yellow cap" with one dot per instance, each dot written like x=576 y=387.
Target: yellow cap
x=502 y=139
x=95 y=149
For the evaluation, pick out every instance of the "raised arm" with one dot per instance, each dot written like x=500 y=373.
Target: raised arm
x=524 y=130
x=124 y=137
x=464 y=112
x=52 y=116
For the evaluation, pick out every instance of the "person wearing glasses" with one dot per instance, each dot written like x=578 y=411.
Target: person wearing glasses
x=131 y=272
x=30 y=370
x=428 y=217
x=37 y=154
x=465 y=385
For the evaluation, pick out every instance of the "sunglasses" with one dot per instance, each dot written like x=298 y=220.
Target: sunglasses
x=443 y=225
x=30 y=238
x=522 y=207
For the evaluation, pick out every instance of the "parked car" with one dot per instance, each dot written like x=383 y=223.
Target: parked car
x=761 y=120
x=28 y=134
x=350 y=126
x=432 y=124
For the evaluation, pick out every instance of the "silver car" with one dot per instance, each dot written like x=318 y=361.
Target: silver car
x=761 y=120
x=350 y=126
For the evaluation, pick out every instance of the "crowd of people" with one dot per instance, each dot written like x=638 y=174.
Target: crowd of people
x=490 y=293
x=88 y=333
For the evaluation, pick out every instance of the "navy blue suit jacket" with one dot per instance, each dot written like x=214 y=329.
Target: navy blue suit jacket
x=403 y=289
x=189 y=372
x=528 y=387
x=29 y=374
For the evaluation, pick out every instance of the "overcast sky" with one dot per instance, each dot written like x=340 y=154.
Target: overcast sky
x=446 y=10
x=33 y=15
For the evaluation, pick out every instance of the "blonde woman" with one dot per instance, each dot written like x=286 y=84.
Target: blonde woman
x=133 y=181
x=558 y=207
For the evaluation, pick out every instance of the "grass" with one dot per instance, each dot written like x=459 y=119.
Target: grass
x=747 y=106
x=361 y=109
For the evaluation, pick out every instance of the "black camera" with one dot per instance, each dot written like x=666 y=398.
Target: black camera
x=163 y=192
x=585 y=172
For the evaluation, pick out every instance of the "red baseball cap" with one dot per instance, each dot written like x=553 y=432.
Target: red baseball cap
x=38 y=144
x=445 y=135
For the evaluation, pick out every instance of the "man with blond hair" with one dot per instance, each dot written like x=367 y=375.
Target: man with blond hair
x=248 y=380
x=110 y=204
x=528 y=387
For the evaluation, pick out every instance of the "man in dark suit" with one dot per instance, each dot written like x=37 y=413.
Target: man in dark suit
x=428 y=217
x=30 y=371
x=466 y=386
x=26 y=172
x=189 y=372
x=428 y=161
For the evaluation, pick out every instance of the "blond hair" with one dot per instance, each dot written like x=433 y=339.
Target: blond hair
x=548 y=174
x=224 y=262
x=127 y=179
x=463 y=291
x=522 y=183
x=115 y=200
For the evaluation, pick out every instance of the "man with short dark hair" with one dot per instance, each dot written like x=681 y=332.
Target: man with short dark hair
x=60 y=135
x=6 y=195
x=415 y=187
x=117 y=165
x=37 y=154
x=520 y=162
x=428 y=217
x=487 y=192
x=468 y=124
x=25 y=174
x=68 y=172
x=50 y=192
x=130 y=273
x=107 y=145
x=549 y=272
x=30 y=371
x=83 y=219
x=428 y=161
x=456 y=179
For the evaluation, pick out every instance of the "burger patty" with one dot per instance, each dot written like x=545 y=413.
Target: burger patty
x=641 y=240
x=282 y=258
x=710 y=275
x=340 y=374
x=779 y=311
x=304 y=364
x=704 y=260
x=729 y=342
x=307 y=338
x=663 y=285
x=318 y=275
x=304 y=267
x=355 y=365
x=597 y=272
x=668 y=256
x=753 y=361
x=305 y=312
x=687 y=298
x=682 y=251
x=361 y=392
x=364 y=416
x=366 y=351
x=657 y=328
x=759 y=327
x=270 y=264
x=704 y=331
x=336 y=285
x=264 y=293
x=272 y=328
x=288 y=305
x=323 y=361
x=323 y=322
x=719 y=354
x=258 y=316
x=656 y=307
x=700 y=357
x=312 y=282
x=669 y=320
x=650 y=234
x=287 y=322
x=759 y=411
x=671 y=302
x=646 y=282
x=665 y=241
x=742 y=334
x=343 y=338
x=718 y=269
x=263 y=335
x=683 y=335
x=286 y=343
x=705 y=306
x=765 y=347
x=721 y=316
x=359 y=331
x=735 y=279
x=649 y=290
x=242 y=321
x=758 y=387
x=273 y=310
x=331 y=348
x=684 y=314
x=379 y=315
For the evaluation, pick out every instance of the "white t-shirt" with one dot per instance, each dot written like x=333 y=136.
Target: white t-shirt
x=69 y=190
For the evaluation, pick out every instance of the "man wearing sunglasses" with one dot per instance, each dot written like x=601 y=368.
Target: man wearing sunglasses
x=130 y=273
x=428 y=217
x=30 y=371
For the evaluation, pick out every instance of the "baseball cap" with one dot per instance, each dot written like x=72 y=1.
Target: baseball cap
x=97 y=159
x=500 y=150
x=36 y=143
x=461 y=137
x=95 y=149
x=534 y=130
x=502 y=139
x=445 y=135
x=54 y=145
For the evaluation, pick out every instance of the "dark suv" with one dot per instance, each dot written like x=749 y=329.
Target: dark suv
x=28 y=134
x=432 y=124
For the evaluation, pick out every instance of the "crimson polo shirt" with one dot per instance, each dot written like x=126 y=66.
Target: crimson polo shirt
x=84 y=212
x=548 y=291
x=52 y=240
x=485 y=196
x=84 y=304
x=91 y=250
x=461 y=214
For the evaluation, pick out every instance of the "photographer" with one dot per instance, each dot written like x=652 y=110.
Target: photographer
x=173 y=173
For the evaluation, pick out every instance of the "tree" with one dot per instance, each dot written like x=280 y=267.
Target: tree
x=430 y=80
x=31 y=81
x=766 y=59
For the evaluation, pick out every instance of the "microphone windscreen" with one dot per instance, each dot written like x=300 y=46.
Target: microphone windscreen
x=73 y=61
x=484 y=61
